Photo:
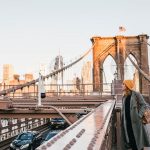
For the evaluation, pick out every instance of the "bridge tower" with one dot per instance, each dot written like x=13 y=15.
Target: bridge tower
x=119 y=47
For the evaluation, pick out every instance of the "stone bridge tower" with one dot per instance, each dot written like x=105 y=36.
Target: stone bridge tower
x=119 y=47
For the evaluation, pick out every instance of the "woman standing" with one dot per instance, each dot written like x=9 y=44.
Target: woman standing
x=134 y=135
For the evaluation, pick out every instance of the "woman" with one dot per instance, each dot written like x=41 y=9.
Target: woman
x=134 y=135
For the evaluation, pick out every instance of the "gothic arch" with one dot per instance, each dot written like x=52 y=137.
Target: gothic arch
x=106 y=56
x=134 y=55
x=130 y=72
x=109 y=67
x=133 y=45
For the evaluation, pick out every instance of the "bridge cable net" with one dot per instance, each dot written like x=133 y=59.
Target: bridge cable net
x=21 y=86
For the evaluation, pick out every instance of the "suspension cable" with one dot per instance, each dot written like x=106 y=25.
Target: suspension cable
x=147 y=43
x=70 y=65
x=146 y=76
x=105 y=50
x=4 y=92
x=134 y=64
x=138 y=68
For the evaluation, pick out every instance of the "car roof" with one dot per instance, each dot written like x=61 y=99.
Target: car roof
x=32 y=132
x=54 y=131
x=57 y=118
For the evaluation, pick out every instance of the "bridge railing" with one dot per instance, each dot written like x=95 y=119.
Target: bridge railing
x=57 y=90
x=93 y=131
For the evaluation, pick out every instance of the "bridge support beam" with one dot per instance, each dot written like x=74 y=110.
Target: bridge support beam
x=96 y=76
x=144 y=63
x=5 y=104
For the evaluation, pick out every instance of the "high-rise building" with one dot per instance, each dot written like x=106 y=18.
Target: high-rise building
x=8 y=72
x=58 y=65
x=28 y=77
x=86 y=76
x=26 y=91
x=87 y=73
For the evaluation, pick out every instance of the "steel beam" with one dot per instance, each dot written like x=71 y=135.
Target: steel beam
x=38 y=113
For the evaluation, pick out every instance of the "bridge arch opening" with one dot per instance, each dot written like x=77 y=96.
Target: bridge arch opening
x=130 y=72
x=109 y=69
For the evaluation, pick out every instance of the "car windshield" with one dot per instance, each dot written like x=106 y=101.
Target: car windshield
x=50 y=135
x=58 y=120
x=25 y=136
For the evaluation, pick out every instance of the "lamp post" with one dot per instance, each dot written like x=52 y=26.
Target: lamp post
x=115 y=75
x=39 y=91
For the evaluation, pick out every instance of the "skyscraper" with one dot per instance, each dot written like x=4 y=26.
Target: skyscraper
x=87 y=73
x=86 y=79
x=8 y=72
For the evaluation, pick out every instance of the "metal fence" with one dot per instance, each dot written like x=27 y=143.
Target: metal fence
x=57 y=90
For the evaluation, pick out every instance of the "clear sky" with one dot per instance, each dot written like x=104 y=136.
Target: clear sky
x=34 y=31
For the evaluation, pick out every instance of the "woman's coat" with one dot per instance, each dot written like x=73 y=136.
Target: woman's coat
x=136 y=111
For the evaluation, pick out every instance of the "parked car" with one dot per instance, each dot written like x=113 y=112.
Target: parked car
x=50 y=135
x=27 y=140
x=58 y=123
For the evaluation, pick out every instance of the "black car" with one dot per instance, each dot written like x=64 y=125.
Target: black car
x=27 y=140
x=58 y=123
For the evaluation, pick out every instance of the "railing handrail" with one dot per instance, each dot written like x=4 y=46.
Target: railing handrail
x=98 y=133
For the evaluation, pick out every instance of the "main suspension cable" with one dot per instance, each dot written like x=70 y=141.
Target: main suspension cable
x=21 y=86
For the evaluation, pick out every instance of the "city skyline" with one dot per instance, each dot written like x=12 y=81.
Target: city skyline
x=35 y=32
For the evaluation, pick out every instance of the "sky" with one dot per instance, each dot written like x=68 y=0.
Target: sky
x=33 y=32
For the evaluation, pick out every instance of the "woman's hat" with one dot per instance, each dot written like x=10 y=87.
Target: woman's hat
x=129 y=84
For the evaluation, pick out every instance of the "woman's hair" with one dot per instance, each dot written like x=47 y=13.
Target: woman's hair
x=129 y=84
x=127 y=92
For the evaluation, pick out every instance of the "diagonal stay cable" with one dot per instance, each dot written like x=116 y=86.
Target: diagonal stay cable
x=146 y=76
x=70 y=65
x=105 y=50
x=147 y=43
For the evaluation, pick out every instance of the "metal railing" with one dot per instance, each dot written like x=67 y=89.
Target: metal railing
x=95 y=130
x=57 y=90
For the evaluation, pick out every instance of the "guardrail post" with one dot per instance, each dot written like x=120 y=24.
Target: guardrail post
x=149 y=92
x=19 y=123
x=118 y=127
x=10 y=124
x=112 y=89
x=0 y=129
x=39 y=91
